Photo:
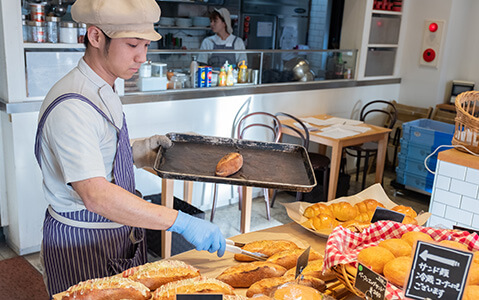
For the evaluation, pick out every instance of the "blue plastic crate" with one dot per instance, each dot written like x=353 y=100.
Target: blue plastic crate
x=416 y=166
x=412 y=180
x=428 y=132
x=419 y=152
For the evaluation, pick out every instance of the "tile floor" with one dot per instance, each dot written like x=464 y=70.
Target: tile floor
x=224 y=215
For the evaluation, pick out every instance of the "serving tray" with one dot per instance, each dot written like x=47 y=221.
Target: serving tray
x=267 y=165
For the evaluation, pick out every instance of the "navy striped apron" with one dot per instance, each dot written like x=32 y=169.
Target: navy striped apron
x=217 y=60
x=81 y=245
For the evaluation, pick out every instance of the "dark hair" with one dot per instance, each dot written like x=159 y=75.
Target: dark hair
x=86 y=41
x=214 y=14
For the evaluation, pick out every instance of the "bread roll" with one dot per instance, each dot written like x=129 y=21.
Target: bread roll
x=368 y=205
x=108 y=288
x=397 y=270
x=408 y=211
x=475 y=258
x=294 y=291
x=197 y=285
x=314 y=269
x=409 y=220
x=155 y=274
x=365 y=217
x=316 y=209
x=398 y=247
x=375 y=258
x=266 y=247
x=453 y=244
x=473 y=277
x=322 y=222
x=412 y=237
x=343 y=211
x=289 y=258
x=267 y=285
x=244 y=275
x=229 y=164
x=471 y=292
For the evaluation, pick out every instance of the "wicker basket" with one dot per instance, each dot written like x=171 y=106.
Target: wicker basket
x=346 y=277
x=467 y=121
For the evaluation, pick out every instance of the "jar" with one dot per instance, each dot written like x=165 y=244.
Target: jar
x=81 y=32
x=52 y=29
x=175 y=83
x=37 y=32
x=37 y=11
x=25 y=29
x=68 y=33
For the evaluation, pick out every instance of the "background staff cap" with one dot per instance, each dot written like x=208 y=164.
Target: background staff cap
x=226 y=16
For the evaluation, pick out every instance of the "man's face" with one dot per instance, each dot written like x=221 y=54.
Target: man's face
x=217 y=25
x=124 y=56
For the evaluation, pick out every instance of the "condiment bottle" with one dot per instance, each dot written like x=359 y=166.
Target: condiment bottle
x=243 y=72
x=222 y=77
x=230 y=80
x=193 y=71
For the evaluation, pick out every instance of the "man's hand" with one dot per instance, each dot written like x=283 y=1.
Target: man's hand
x=145 y=151
x=202 y=234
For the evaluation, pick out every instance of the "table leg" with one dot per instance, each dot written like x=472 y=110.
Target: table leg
x=167 y=186
x=247 y=201
x=381 y=158
x=188 y=191
x=336 y=152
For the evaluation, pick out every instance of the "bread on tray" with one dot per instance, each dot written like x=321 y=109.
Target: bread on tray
x=267 y=247
x=244 y=275
x=289 y=258
x=197 y=285
x=267 y=285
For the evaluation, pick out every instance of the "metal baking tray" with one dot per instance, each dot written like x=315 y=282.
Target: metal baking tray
x=267 y=165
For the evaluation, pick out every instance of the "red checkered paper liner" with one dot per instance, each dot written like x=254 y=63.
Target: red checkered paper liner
x=343 y=245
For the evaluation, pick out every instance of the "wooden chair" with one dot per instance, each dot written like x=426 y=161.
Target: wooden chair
x=405 y=113
x=247 y=123
x=319 y=162
x=443 y=116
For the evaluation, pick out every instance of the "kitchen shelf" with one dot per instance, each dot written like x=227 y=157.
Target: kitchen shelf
x=387 y=12
x=183 y=28
x=383 y=45
x=27 y=46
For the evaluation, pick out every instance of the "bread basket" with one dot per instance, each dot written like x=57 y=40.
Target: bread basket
x=467 y=121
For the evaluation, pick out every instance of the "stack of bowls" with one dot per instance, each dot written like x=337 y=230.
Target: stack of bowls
x=165 y=21
x=201 y=21
x=184 y=22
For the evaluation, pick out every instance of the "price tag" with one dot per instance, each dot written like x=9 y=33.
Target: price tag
x=470 y=230
x=387 y=214
x=438 y=272
x=370 y=283
x=302 y=262
x=199 y=297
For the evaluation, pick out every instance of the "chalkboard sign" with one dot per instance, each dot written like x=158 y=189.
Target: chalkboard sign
x=199 y=297
x=381 y=214
x=438 y=272
x=302 y=262
x=370 y=283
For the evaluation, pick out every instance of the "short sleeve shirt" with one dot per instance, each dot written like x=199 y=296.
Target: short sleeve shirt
x=78 y=143
x=209 y=43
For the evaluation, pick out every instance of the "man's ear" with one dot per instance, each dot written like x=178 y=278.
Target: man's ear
x=95 y=36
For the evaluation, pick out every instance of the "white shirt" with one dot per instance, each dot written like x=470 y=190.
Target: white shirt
x=77 y=142
x=209 y=42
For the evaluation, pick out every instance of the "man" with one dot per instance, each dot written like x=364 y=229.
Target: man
x=220 y=23
x=92 y=225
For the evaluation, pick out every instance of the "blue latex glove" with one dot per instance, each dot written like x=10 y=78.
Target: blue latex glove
x=202 y=234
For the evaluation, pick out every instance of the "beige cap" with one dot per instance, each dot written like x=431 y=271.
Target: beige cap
x=226 y=16
x=120 y=18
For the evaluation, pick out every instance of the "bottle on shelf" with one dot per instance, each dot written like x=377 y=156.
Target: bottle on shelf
x=243 y=72
x=230 y=80
x=193 y=71
x=222 y=77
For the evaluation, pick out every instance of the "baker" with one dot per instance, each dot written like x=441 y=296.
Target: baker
x=220 y=23
x=94 y=224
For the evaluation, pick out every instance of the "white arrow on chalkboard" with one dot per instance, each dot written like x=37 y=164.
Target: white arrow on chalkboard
x=425 y=256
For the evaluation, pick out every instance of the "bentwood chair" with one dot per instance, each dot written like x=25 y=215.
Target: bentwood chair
x=319 y=162
x=254 y=126
x=370 y=149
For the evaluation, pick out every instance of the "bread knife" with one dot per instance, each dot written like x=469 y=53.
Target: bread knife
x=230 y=247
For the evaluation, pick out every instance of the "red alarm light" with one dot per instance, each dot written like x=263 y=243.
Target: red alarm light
x=433 y=27
x=429 y=55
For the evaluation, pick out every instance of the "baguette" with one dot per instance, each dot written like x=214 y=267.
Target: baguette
x=314 y=269
x=108 y=288
x=267 y=247
x=244 y=275
x=267 y=285
x=229 y=164
x=289 y=258
x=153 y=275
x=197 y=285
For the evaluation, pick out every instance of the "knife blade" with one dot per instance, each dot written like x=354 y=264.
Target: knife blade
x=230 y=247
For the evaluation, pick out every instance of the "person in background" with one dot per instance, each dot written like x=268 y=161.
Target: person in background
x=94 y=224
x=220 y=23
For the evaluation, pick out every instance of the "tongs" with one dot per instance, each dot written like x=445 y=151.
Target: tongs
x=232 y=247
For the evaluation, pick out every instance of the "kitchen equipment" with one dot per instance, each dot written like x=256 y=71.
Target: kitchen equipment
x=68 y=33
x=300 y=68
x=158 y=69
x=201 y=21
x=59 y=9
x=52 y=29
x=194 y=158
x=230 y=247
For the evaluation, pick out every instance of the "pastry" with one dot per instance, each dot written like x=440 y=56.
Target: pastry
x=289 y=258
x=155 y=274
x=314 y=269
x=229 y=164
x=316 y=209
x=397 y=270
x=321 y=222
x=408 y=211
x=398 y=247
x=294 y=291
x=368 y=205
x=375 y=258
x=244 y=275
x=266 y=247
x=343 y=211
x=108 y=288
x=365 y=217
x=453 y=244
x=412 y=236
x=197 y=285
x=471 y=292
x=409 y=220
x=267 y=285
x=473 y=276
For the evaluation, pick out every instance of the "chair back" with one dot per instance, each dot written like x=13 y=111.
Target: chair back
x=390 y=111
x=444 y=116
x=259 y=119
x=303 y=135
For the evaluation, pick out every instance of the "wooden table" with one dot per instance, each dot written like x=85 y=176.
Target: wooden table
x=376 y=133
